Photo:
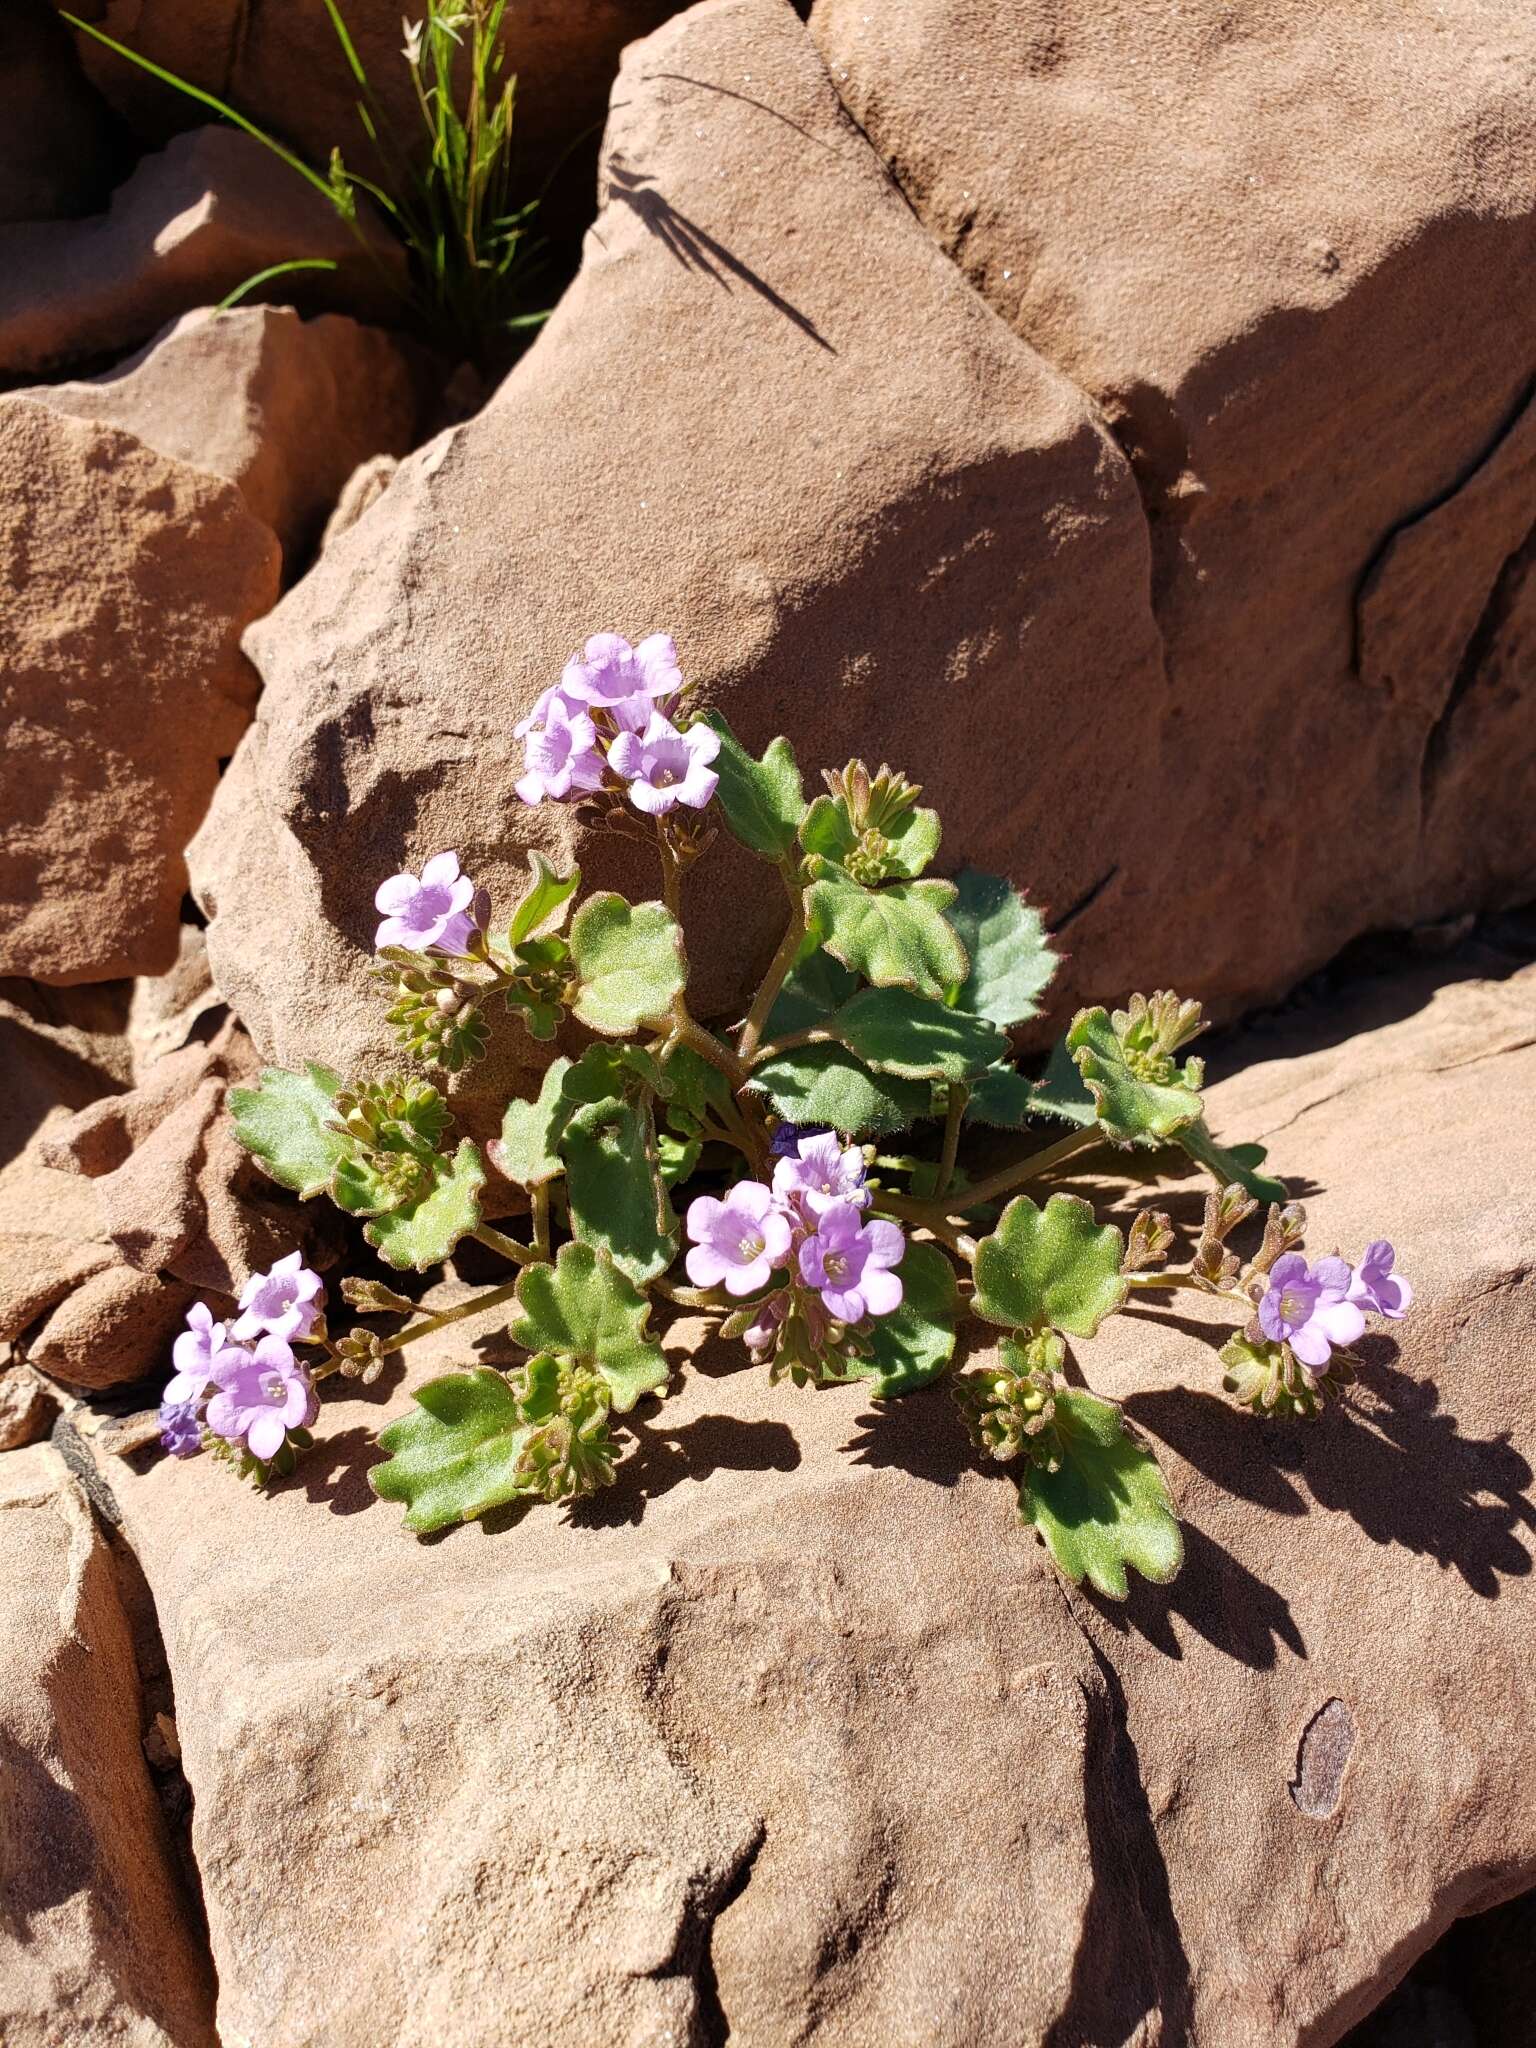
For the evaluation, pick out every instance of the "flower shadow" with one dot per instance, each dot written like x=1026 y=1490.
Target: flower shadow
x=662 y=1458
x=335 y=1473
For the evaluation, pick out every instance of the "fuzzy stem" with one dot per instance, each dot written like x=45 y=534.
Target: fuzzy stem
x=956 y=1097
x=520 y=1254
x=813 y=1034
x=492 y=1297
x=540 y=1201
x=778 y=970
x=704 y=1298
x=959 y=1241
x=1013 y=1176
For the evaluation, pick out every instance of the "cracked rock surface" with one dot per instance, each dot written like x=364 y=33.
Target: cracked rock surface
x=795 y=1736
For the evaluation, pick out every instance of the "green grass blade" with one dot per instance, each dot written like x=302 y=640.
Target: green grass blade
x=273 y=270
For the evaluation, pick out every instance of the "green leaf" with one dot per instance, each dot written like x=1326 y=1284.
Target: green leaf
x=895 y=936
x=1062 y=1092
x=910 y=840
x=897 y=1032
x=284 y=1123
x=691 y=1084
x=1129 y=1106
x=1229 y=1163
x=548 y=897
x=617 y=1200
x=815 y=987
x=584 y=1308
x=763 y=800
x=1054 y=1266
x=630 y=962
x=1011 y=958
x=456 y=1456
x=1001 y=1096
x=424 y=1232
x=676 y=1157
x=526 y=1151
x=1107 y=1505
x=604 y=1071
x=914 y=1344
x=822 y=1084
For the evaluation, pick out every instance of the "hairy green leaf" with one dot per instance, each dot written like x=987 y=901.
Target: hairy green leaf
x=1229 y=1163
x=618 y=1202
x=285 y=1124
x=1130 y=1105
x=456 y=1455
x=676 y=1157
x=914 y=1344
x=691 y=1084
x=629 y=958
x=1107 y=1504
x=897 y=1032
x=763 y=800
x=1001 y=1096
x=527 y=1150
x=1062 y=1092
x=1054 y=1266
x=908 y=842
x=815 y=987
x=547 y=903
x=1011 y=958
x=822 y=1084
x=895 y=936
x=424 y=1232
x=584 y=1308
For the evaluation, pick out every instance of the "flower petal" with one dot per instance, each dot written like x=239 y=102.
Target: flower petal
x=266 y=1435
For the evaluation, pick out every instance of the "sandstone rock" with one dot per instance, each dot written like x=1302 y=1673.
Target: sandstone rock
x=95 y=1937
x=1314 y=357
x=58 y=142
x=846 y=535
x=283 y=408
x=27 y=1407
x=795 y=1736
x=366 y=485
x=190 y=224
x=122 y=686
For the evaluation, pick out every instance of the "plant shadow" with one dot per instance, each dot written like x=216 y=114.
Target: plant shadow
x=661 y=1458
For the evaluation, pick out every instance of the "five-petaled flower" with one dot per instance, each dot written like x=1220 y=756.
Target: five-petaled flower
x=608 y=670
x=429 y=911
x=821 y=1171
x=262 y=1394
x=561 y=754
x=665 y=767
x=1308 y=1307
x=286 y=1302
x=737 y=1242
x=1375 y=1287
x=849 y=1263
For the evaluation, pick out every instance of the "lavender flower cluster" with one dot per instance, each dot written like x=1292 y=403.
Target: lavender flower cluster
x=240 y=1384
x=601 y=727
x=1320 y=1307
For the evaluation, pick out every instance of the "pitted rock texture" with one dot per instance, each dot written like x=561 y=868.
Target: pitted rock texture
x=130 y=578
x=283 y=408
x=795 y=1736
x=96 y=1937
x=909 y=552
x=190 y=223
x=1289 y=250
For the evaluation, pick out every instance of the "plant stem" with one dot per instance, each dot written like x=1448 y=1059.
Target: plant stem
x=540 y=1199
x=956 y=1097
x=778 y=970
x=813 y=1034
x=704 y=1298
x=520 y=1254
x=1014 y=1176
x=960 y=1242
x=492 y=1297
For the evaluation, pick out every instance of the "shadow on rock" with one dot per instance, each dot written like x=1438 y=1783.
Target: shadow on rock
x=922 y=1434
x=663 y=1458
x=1237 y=1612
x=335 y=1473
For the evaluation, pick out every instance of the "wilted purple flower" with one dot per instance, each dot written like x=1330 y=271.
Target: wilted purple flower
x=432 y=911
x=287 y=1302
x=263 y=1393
x=608 y=669
x=1375 y=1287
x=737 y=1242
x=561 y=754
x=193 y=1355
x=181 y=1428
x=1308 y=1308
x=664 y=767
x=850 y=1263
x=822 y=1171
x=785 y=1141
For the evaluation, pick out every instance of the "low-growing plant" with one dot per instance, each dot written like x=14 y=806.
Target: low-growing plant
x=447 y=196
x=829 y=1246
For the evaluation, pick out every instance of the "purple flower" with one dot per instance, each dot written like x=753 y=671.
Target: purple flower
x=664 y=767
x=430 y=912
x=608 y=669
x=737 y=1242
x=822 y=1172
x=181 y=1428
x=1376 y=1287
x=561 y=753
x=1308 y=1308
x=763 y=1335
x=286 y=1303
x=786 y=1137
x=262 y=1394
x=193 y=1354
x=850 y=1263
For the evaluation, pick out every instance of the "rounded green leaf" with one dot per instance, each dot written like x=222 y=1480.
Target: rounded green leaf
x=1011 y=958
x=913 y=1344
x=285 y=1124
x=1054 y=1267
x=895 y=936
x=584 y=1308
x=456 y=1455
x=823 y=1084
x=618 y=1200
x=423 y=1233
x=898 y=1032
x=629 y=962
x=530 y=1132
x=1107 y=1504
x=763 y=800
